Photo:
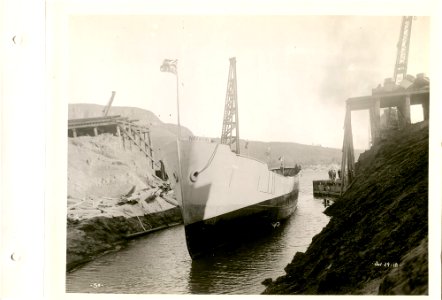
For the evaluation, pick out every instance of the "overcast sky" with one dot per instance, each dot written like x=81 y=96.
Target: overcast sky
x=294 y=73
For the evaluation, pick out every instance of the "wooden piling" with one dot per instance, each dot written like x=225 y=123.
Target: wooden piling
x=426 y=110
x=118 y=130
x=404 y=109
x=375 y=120
x=347 y=162
x=402 y=100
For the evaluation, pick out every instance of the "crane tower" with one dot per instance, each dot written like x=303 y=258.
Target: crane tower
x=230 y=132
x=400 y=69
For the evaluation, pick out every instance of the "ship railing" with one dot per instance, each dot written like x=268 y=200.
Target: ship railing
x=255 y=159
x=201 y=139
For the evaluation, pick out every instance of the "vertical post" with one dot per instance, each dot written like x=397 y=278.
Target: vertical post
x=404 y=108
x=95 y=131
x=375 y=120
x=348 y=161
x=129 y=131
x=344 y=152
x=172 y=67
x=150 y=149
x=426 y=109
x=118 y=131
x=74 y=132
x=178 y=106
x=138 y=138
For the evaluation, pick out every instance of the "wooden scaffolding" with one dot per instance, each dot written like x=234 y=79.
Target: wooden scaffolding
x=401 y=100
x=129 y=132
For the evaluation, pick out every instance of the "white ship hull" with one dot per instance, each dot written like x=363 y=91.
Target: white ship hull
x=221 y=191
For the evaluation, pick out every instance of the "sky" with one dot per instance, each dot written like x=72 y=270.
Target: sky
x=294 y=73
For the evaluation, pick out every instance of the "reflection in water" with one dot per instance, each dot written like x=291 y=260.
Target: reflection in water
x=159 y=263
x=239 y=266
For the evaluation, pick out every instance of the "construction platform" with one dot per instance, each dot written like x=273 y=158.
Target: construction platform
x=130 y=132
x=328 y=188
x=399 y=98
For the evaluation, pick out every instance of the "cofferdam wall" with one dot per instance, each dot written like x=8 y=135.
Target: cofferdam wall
x=377 y=239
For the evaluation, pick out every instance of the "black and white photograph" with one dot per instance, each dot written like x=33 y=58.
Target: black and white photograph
x=206 y=152
x=239 y=153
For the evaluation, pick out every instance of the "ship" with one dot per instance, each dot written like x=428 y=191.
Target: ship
x=224 y=194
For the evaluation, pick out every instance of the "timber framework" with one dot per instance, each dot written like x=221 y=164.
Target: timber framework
x=397 y=100
x=131 y=133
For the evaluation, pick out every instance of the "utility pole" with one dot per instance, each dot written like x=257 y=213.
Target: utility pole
x=230 y=130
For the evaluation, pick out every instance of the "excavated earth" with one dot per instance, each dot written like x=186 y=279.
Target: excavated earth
x=377 y=239
x=112 y=197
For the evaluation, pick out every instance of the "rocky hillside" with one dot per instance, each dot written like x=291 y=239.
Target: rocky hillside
x=377 y=239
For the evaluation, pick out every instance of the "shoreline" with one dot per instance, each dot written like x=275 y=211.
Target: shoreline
x=92 y=238
x=377 y=239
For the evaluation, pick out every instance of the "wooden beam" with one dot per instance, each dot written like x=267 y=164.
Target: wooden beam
x=388 y=100
x=138 y=145
x=118 y=130
x=375 y=121
x=426 y=110
x=404 y=109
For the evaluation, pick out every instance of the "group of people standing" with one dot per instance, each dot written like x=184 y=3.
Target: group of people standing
x=332 y=174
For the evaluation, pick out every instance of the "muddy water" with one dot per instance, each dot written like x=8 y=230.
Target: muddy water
x=160 y=264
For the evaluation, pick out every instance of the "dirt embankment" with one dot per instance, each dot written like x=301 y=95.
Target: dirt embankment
x=112 y=195
x=377 y=239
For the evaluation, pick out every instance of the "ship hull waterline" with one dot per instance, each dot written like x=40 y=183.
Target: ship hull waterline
x=223 y=195
x=208 y=237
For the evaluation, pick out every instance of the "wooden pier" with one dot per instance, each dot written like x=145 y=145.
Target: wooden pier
x=326 y=188
x=399 y=99
x=129 y=132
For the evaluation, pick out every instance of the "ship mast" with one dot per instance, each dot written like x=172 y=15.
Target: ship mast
x=230 y=132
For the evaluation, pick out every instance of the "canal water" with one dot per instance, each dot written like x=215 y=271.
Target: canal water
x=160 y=264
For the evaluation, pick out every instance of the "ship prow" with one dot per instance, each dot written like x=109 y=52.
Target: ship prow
x=223 y=194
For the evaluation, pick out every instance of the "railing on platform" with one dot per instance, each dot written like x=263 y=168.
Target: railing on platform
x=121 y=126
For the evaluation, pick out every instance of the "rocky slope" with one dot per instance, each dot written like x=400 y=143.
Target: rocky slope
x=377 y=239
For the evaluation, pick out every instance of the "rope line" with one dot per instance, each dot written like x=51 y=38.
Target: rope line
x=210 y=160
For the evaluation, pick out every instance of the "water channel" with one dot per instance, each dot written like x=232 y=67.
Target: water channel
x=160 y=264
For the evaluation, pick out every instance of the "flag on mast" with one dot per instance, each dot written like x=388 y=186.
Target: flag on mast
x=169 y=65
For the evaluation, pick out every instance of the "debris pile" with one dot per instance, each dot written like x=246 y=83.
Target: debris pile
x=112 y=195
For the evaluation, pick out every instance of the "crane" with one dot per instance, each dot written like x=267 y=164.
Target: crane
x=230 y=132
x=108 y=106
x=400 y=68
